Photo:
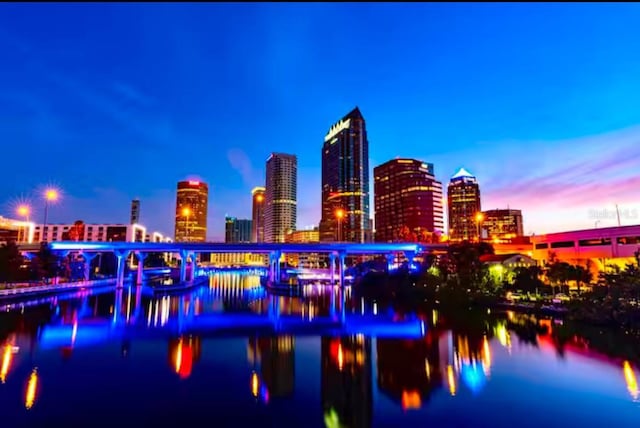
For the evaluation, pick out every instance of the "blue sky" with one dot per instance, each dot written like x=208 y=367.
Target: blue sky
x=115 y=101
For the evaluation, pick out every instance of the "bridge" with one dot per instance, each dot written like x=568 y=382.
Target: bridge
x=188 y=252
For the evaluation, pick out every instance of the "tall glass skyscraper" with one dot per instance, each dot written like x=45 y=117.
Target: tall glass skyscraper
x=281 y=200
x=192 y=201
x=345 y=181
x=463 y=194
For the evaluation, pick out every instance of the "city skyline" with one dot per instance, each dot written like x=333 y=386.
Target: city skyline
x=546 y=142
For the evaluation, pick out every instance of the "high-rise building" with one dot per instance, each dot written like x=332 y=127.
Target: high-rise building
x=407 y=201
x=257 y=214
x=237 y=230
x=345 y=181
x=463 y=194
x=502 y=224
x=280 y=211
x=191 y=211
x=135 y=212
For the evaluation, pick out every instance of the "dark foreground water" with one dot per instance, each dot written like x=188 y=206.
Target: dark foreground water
x=229 y=355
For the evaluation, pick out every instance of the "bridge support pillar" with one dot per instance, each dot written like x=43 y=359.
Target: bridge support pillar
x=342 y=256
x=274 y=267
x=88 y=258
x=332 y=268
x=193 y=264
x=390 y=259
x=183 y=265
x=410 y=255
x=141 y=256
x=121 y=260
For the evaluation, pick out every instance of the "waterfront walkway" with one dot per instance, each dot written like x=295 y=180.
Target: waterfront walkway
x=30 y=290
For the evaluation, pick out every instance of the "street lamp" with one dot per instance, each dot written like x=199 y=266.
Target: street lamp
x=23 y=211
x=339 y=216
x=186 y=212
x=51 y=195
x=479 y=218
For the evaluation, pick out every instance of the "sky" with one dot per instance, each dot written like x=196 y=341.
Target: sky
x=111 y=102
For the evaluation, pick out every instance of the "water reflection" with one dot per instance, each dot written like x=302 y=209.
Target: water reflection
x=356 y=355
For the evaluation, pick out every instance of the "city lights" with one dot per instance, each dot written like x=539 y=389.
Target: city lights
x=24 y=211
x=32 y=388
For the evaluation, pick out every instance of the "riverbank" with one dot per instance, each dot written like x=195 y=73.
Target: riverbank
x=41 y=290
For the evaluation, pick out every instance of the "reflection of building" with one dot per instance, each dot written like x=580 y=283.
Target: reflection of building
x=80 y=231
x=135 y=211
x=502 y=224
x=345 y=181
x=192 y=201
x=346 y=380
x=408 y=370
x=275 y=356
x=237 y=259
x=257 y=214
x=281 y=206
x=407 y=201
x=237 y=230
x=463 y=194
x=183 y=354
x=15 y=230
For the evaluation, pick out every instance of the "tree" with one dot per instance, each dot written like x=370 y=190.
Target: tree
x=528 y=279
x=46 y=263
x=10 y=262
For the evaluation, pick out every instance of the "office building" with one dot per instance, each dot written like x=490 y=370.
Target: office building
x=502 y=224
x=237 y=230
x=135 y=212
x=345 y=181
x=192 y=201
x=80 y=231
x=407 y=201
x=280 y=211
x=257 y=214
x=463 y=194
x=16 y=231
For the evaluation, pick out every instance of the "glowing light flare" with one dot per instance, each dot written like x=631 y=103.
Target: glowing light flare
x=186 y=211
x=630 y=378
x=23 y=210
x=340 y=213
x=479 y=217
x=259 y=198
x=51 y=194
x=451 y=380
x=32 y=389
x=7 y=357
x=255 y=384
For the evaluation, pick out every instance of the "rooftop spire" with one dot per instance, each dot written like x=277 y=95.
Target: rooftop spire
x=462 y=173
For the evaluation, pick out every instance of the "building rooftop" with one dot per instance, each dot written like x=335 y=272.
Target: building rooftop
x=462 y=173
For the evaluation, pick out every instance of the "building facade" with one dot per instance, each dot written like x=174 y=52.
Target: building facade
x=257 y=214
x=463 y=194
x=237 y=230
x=407 y=201
x=135 y=212
x=281 y=200
x=502 y=224
x=79 y=231
x=345 y=181
x=16 y=231
x=192 y=200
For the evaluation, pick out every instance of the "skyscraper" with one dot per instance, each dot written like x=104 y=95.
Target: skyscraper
x=192 y=200
x=345 y=181
x=502 y=224
x=257 y=214
x=407 y=201
x=280 y=211
x=463 y=194
x=237 y=230
x=135 y=211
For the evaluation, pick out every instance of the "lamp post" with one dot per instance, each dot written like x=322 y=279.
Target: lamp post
x=23 y=211
x=479 y=218
x=50 y=196
x=186 y=212
x=339 y=217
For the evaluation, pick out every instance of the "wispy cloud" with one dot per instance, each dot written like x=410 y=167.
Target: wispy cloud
x=241 y=163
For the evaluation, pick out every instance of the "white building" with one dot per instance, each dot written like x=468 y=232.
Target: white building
x=96 y=233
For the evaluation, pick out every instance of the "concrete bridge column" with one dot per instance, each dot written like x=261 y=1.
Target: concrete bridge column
x=274 y=266
x=141 y=256
x=342 y=259
x=88 y=258
x=121 y=258
x=390 y=259
x=193 y=265
x=410 y=255
x=183 y=265
x=332 y=264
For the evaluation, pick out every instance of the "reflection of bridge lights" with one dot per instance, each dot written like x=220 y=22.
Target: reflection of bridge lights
x=451 y=380
x=7 y=357
x=32 y=388
x=74 y=333
x=630 y=378
x=340 y=357
x=503 y=336
x=486 y=357
x=473 y=376
x=411 y=400
x=331 y=419
x=255 y=384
